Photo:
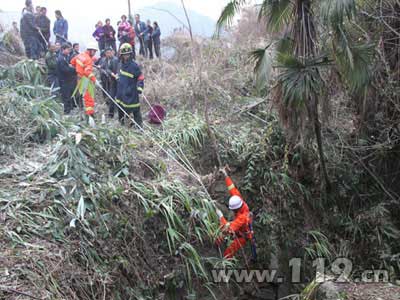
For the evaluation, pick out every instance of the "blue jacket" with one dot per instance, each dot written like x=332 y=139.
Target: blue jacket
x=139 y=28
x=156 y=35
x=130 y=85
x=61 y=28
x=148 y=33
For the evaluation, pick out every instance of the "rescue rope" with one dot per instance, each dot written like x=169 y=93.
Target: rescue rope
x=185 y=160
x=192 y=173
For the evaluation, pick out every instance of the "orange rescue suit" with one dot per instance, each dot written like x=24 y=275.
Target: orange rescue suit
x=83 y=63
x=239 y=227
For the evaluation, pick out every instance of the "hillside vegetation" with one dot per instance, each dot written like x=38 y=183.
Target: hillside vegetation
x=312 y=142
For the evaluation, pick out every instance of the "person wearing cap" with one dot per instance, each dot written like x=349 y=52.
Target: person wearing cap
x=239 y=228
x=83 y=63
x=130 y=86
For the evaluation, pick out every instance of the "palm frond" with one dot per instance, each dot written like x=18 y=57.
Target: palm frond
x=262 y=58
x=299 y=81
x=228 y=13
x=354 y=62
x=334 y=11
x=277 y=12
x=285 y=45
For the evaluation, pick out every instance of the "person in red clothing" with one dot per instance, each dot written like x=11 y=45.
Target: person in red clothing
x=83 y=63
x=132 y=36
x=240 y=227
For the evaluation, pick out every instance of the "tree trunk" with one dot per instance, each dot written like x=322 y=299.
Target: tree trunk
x=318 y=135
x=305 y=37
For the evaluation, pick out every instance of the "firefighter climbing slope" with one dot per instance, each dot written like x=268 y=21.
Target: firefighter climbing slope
x=83 y=63
x=241 y=227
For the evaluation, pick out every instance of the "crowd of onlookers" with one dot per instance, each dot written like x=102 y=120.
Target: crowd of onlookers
x=35 y=31
x=147 y=34
x=121 y=79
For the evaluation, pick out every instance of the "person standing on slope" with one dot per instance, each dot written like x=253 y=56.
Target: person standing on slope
x=60 y=28
x=140 y=27
x=130 y=86
x=83 y=63
x=66 y=77
x=156 y=39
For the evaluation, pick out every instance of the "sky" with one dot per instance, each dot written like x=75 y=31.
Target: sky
x=95 y=10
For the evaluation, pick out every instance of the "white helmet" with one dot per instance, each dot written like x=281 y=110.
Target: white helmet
x=235 y=202
x=92 y=46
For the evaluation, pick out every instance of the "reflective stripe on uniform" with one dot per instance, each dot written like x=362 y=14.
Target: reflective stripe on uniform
x=80 y=63
x=232 y=186
x=140 y=89
x=130 y=75
x=135 y=105
x=91 y=75
x=89 y=108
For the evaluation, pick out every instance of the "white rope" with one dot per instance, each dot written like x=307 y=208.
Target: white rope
x=185 y=160
x=194 y=174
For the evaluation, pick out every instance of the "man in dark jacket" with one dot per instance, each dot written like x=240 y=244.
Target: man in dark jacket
x=148 y=41
x=29 y=33
x=109 y=36
x=140 y=27
x=75 y=50
x=130 y=86
x=156 y=39
x=67 y=77
x=109 y=70
x=43 y=23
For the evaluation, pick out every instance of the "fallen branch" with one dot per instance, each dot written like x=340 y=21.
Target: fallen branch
x=13 y=291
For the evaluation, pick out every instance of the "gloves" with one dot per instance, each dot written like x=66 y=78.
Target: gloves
x=223 y=171
x=219 y=213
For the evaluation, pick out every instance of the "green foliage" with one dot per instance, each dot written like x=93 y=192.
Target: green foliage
x=319 y=246
x=85 y=85
x=27 y=121
x=299 y=81
x=277 y=12
x=185 y=131
x=335 y=11
x=262 y=59
x=228 y=13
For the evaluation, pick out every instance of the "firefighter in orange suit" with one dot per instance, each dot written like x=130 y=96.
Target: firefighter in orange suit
x=83 y=63
x=240 y=227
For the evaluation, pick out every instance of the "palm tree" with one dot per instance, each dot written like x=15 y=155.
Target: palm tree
x=302 y=54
